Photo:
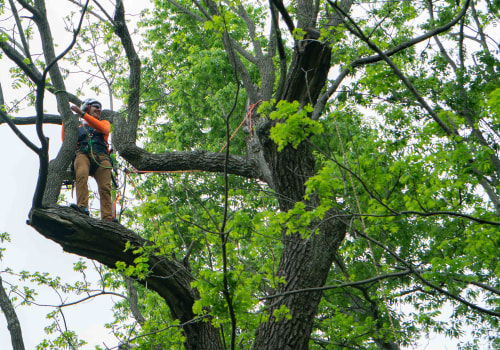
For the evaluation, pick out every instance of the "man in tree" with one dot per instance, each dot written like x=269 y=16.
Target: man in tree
x=92 y=158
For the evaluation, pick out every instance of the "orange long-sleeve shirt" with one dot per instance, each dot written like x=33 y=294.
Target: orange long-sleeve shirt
x=102 y=126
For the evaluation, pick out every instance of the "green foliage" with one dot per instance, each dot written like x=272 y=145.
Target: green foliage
x=294 y=124
x=423 y=196
x=4 y=237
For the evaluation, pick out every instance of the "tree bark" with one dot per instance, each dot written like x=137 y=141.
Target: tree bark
x=305 y=261
x=106 y=242
x=13 y=324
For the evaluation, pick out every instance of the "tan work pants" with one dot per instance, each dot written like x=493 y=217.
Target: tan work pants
x=102 y=176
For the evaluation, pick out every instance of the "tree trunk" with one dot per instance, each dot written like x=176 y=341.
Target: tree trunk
x=305 y=261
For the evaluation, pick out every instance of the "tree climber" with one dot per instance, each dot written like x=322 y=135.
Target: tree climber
x=92 y=158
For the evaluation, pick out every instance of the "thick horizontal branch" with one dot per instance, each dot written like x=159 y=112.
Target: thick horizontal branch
x=106 y=242
x=47 y=119
x=190 y=160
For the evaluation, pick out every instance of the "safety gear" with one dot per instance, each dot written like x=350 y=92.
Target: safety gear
x=90 y=139
x=89 y=101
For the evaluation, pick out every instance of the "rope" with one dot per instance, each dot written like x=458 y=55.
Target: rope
x=363 y=226
x=114 y=205
x=248 y=116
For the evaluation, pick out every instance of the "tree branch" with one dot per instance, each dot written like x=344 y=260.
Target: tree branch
x=354 y=29
x=415 y=272
x=342 y=285
x=319 y=107
x=134 y=62
x=4 y=118
x=191 y=160
x=47 y=119
x=13 y=324
x=286 y=16
x=21 y=30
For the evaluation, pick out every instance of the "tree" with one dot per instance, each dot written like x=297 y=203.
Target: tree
x=371 y=132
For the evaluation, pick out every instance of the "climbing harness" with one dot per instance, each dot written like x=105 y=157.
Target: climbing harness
x=90 y=141
x=88 y=138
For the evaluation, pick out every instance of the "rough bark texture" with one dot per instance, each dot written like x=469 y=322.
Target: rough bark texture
x=305 y=262
x=13 y=324
x=106 y=243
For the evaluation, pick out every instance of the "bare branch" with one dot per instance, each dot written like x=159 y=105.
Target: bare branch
x=5 y=118
x=286 y=16
x=342 y=285
x=354 y=29
x=121 y=30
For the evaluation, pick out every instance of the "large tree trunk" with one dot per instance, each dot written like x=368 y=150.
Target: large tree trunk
x=305 y=261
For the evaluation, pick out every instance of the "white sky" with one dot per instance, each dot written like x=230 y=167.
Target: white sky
x=32 y=252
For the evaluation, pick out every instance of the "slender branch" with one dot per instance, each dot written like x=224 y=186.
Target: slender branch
x=354 y=29
x=29 y=7
x=188 y=12
x=110 y=18
x=286 y=16
x=20 y=29
x=276 y=34
x=182 y=325
x=342 y=285
x=230 y=45
x=251 y=30
x=377 y=58
x=19 y=60
x=135 y=69
x=202 y=9
x=4 y=118
x=415 y=272
x=223 y=234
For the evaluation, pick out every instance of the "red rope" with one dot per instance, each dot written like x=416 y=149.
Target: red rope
x=114 y=205
x=247 y=116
